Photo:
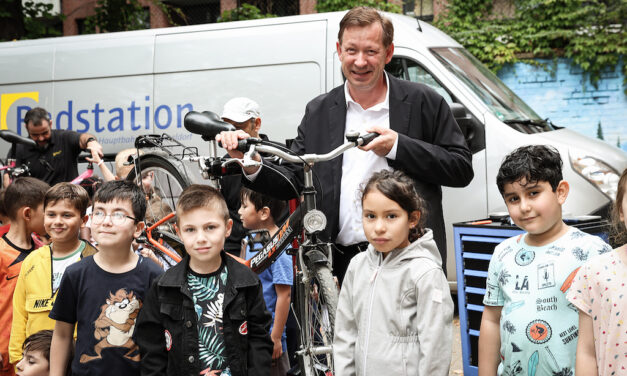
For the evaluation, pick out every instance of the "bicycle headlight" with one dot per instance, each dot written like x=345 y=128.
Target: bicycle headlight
x=599 y=174
x=314 y=221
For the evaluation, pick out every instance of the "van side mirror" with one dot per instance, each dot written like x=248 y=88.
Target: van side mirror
x=471 y=128
x=463 y=118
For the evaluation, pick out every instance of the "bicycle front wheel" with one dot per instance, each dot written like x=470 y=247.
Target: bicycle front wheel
x=163 y=183
x=318 y=303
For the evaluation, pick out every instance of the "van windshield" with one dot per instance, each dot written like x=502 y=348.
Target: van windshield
x=506 y=105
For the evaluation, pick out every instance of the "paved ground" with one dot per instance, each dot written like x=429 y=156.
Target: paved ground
x=456 y=361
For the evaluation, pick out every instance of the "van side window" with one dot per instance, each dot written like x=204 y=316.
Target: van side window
x=471 y=127
x=407 y=69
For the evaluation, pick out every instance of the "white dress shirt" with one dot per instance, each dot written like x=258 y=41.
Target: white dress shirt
x=358 y=165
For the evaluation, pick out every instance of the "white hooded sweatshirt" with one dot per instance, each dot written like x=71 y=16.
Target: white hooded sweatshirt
x=394 y=315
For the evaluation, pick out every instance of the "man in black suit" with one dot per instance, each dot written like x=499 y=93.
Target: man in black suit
x=418 y=135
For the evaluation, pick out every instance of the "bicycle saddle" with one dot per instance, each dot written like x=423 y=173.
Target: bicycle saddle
x=207 y=124
x=14 y=138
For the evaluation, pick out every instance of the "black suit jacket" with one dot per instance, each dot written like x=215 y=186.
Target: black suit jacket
x=431 y=149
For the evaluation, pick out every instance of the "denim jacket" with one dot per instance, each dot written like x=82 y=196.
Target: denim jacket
x=167 y=332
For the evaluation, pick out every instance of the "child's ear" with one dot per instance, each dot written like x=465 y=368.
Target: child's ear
x=562 y=191
x=229 y=227
x=176 y=229
x=85 y=219
x=264 y=213
x=139 y=227
x=414 y=218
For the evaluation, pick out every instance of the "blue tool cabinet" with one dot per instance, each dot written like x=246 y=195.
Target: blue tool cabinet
x=474 y=245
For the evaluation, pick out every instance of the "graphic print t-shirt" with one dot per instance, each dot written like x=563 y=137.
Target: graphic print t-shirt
x=538 y=325
x=208 y=294
x=104 y=306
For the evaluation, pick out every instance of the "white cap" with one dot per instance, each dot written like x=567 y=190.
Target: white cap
x=240 y=110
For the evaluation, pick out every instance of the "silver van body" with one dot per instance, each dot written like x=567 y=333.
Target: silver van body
x=121 y=85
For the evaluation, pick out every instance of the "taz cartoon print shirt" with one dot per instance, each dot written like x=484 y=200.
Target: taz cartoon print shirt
x=104 y=307
x=538 y=325
x=208 y=295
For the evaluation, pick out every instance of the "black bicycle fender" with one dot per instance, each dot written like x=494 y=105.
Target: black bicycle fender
x=315 y=256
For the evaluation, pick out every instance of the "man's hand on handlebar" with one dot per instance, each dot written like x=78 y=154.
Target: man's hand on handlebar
x=382 y=144
x=229 y=141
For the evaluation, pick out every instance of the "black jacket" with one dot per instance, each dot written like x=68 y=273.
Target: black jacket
x=168 y=311
x=431 y=150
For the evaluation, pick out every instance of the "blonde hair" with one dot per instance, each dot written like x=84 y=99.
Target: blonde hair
x=121 y=169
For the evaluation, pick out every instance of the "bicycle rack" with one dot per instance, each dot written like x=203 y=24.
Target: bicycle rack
x=166 y=143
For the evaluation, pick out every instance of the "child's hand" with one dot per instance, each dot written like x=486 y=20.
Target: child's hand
x=277 y=350
x=148 y=253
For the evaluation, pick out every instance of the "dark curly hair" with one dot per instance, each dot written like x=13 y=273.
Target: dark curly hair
x=532 y=163
x=399 y=187
x=619 y=232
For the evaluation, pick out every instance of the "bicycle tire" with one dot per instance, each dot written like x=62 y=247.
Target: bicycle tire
x=167 y=185
x=317 y=319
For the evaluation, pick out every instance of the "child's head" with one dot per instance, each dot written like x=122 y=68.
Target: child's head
x=118 y=213
x=91 y=185
x=258 y=211
x=156 y=210
x=393 y=212
x=619 y=209
x=65 y=205
x=24 y=200
x=35 y=355
x=203 y=225
x=530 y=180
x=122 y=165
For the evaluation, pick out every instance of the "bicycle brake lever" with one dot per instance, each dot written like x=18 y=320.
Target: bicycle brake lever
x=242 y=162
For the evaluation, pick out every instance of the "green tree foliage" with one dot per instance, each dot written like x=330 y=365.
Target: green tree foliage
x=337 y=5
x=125 y=15
x=40 y=22
x=117 y=15
x=245 y=12
x=600 y=132
x=590 y=32
x=29 y=20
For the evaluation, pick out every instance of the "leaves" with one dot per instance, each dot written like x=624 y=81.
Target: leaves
x=338 y=5
x=590 y=32
x=245 y=12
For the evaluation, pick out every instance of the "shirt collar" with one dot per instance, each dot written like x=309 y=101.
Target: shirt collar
x=385 y=105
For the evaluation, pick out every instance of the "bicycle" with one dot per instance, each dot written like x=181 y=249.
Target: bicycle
x=9 y=166
x=316 y=289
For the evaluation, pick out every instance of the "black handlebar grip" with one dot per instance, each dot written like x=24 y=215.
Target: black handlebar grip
x=242 y=145
x=368 y=137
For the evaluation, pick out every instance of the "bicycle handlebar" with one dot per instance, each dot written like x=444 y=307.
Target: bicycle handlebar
x=253 y=144
x=14 y=138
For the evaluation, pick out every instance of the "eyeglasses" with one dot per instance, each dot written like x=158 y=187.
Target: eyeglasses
x=117 y=218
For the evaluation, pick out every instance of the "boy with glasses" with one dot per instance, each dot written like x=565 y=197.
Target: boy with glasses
x=103 y=294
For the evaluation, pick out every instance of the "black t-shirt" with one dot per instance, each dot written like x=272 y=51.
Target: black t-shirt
x=105 y=307
x=55 y=163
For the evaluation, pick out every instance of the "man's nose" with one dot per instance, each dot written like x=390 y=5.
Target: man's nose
x=360 y=59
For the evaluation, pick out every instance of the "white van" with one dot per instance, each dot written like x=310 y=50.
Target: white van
x=121 y=85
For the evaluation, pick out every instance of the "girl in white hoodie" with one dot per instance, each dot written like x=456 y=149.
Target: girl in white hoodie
x=395 y=312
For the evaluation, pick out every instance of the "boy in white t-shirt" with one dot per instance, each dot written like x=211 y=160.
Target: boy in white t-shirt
x=528 y=326
x=36 y=290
